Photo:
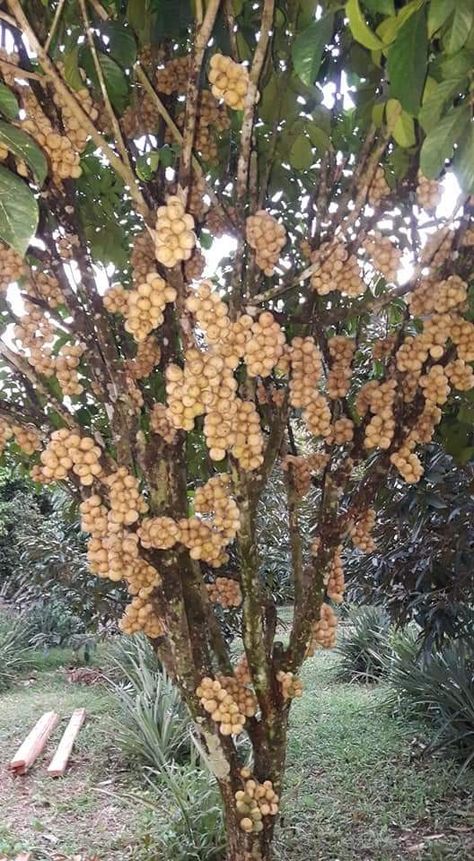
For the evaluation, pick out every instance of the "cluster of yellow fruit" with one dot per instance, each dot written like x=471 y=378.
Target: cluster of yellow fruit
x=302 y=467
x=407 y=463
x=116 y=299
x=146 y=359
x=217 y=225
x=342 y=431
x=66 y=245
x=66 y=451
x=146 y=305
x=229 y=81
x=241 y=694
x=247 y=446
x=161 y=425
x=141 y=117
x=290 y=685
x=317 y=416
x=337 y=270
x=383 y=347
x=460 y=375
x=66 y=364
x=384 y=255
x=47 y=288
x=126 y=502
x=174 y=233
x=306 y=369
x=428 y=192
x=378 y=188
x=341 y=350
x=75 y=131
x=191 y=389
x=214 y=498
x=141 y=615
x=335 y=583
x=241 y=670
x=35 y=334
x=12 y=266
x=437 y=248
x=60 y=151
x=221 y=706
x=360 y=530
x=255 y=801
x=142 y=256
x=194 y=267
x=381 y=427
x=225 y=592
x=324 y=631
x=173 y=77
x=159 y=532
x=267 y=237
x=26 y=436
x=435 y=385
x=265 y=345
x=441 y=297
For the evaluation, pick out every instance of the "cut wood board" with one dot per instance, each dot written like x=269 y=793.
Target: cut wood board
x=58 y=764
x=34 y=743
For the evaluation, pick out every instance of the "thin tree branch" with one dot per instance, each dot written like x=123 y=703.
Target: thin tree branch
x=56 y=19
x=116 y=162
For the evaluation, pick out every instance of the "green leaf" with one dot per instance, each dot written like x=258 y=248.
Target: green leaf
x=308 y=48
x=407 y=62
x=378 y=111
x=360 y=29
x=380 y=7
x=433 y=107
x=19 y=212
x=439 y=143
x=462 y=22
x=463 y=162
x=121 y=46
x=24 y=147
x=8 y=103
x=301 y=153
x=318 y=137
x=459 y=64
x=71 y=72
x=115 y=79
x=438 y=14
x=139 y=18
x=403 y=128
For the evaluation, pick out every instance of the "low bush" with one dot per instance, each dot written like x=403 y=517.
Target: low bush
x=193 y=829
x=154 y=723
x=15 y=654
x=438 y=685
x=365 y=645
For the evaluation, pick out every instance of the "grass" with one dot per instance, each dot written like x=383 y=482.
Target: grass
x=356 y=787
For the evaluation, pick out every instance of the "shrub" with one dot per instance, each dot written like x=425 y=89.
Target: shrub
x=15 y=656
x=438 y=685
x=153 y=727
x=365 y=646
x=193 y=828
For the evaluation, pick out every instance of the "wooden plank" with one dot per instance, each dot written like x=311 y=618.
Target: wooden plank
x=34 y=743
x=58 y=764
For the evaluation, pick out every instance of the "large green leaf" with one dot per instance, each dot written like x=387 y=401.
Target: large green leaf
x=71 y=72
x=24 y=147
x=19 y=212
x=439 y=143
x=407 y=62
x=139 y=17
x=308 y=48
x=463 y=19
x=438 y=13
x=359 y=27
x=459 y=64
x=433 y=107
x=115 y=79
x=463 y=163
x=121 y=45
x=380 y=7
x=8 y=103
x=301 y=154
x=403 y=127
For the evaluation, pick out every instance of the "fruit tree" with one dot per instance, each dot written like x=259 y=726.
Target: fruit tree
x=162 y=376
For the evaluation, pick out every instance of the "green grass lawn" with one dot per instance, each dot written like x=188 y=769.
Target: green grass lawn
x=356 y=786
